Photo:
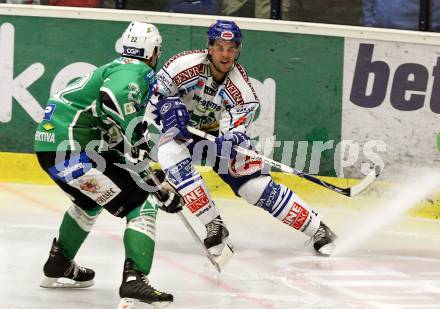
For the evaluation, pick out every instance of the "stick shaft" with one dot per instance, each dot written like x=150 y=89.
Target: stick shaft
x=285 y=168
x=188 y=226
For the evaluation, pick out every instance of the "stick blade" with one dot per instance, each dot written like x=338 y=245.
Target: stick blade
x=224 y=257
x=218 y=261
x=366 y=182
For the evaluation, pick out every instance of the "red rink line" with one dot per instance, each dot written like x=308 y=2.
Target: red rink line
x=162 y=258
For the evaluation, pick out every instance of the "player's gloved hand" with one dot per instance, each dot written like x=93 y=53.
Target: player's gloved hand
x=174 y=116
x=169 y=199
x=225 y=143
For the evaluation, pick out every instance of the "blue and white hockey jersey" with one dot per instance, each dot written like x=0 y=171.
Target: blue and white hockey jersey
x=213 y=108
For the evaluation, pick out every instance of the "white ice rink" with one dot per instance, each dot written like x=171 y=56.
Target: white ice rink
x=398 y=267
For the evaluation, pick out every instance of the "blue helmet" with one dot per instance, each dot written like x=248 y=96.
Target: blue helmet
x=224 y=30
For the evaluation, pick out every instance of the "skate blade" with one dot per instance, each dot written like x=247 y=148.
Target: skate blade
x=219 y=249
x=222 y=253
x=131 y=303
x=327 y=249
x=54 y=283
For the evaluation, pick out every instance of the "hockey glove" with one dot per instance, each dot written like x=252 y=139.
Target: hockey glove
x=225 y=144
x=174 y=116
x=168 y=198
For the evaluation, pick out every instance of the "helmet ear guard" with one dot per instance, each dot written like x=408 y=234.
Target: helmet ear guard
x=141 y=40
x=224 y=30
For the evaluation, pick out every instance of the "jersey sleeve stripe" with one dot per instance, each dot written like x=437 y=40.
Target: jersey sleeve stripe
x=114 y=108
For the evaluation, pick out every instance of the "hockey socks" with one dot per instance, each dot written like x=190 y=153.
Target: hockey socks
x=287 y=207
x=139 y=242
x=74 y=229
x=139 y=236
x=60 y=270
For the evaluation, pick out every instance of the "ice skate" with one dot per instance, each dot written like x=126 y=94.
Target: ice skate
x=136 y=292
x=60 y=272
x=323 y=240
x=217 y=237
x=217 y=243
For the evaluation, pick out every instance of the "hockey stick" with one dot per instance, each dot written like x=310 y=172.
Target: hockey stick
x=227 y=251
x=199 y=241
x=350 y=191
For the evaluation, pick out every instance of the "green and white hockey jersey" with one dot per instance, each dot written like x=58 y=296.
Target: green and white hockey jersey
x=74 y=117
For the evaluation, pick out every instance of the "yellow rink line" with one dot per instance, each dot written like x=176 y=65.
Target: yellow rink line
x=24 y=168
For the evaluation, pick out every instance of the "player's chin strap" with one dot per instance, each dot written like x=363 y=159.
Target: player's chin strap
x=350 y=191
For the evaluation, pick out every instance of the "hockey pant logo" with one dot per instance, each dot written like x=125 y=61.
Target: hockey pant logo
x=244 y=165
x=296 y=217
x=97 y=186
x=71 y=168
x=196 y=199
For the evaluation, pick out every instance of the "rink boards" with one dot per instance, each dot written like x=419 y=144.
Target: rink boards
x=332 y=97
x=24 y=168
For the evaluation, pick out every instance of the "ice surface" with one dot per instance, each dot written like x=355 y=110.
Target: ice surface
x=397 y=267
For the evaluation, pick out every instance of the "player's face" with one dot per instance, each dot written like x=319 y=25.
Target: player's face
x=223 y=55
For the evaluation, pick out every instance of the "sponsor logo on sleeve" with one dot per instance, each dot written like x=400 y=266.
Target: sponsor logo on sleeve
x=134 y=93
x=165 y=108
x=46 y=137
x=48 y=111
x=151 y=75
x=48 y=126
x=240 y=121
x=200 y=83
x=129 y=108
x=245 y=110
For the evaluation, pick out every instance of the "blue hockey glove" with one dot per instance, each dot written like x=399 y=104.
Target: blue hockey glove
x=225 y=144
x=174 y=116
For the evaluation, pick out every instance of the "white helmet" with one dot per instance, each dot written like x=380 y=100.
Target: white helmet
x=140 y=40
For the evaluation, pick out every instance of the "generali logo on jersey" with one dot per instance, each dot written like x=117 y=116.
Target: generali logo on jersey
x=187 y=74
x=234 y=92
x=246 y=78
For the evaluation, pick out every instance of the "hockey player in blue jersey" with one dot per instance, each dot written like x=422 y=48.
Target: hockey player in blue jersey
x=209 y=90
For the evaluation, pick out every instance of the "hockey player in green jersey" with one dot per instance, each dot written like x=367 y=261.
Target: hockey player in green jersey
x=78 y=143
